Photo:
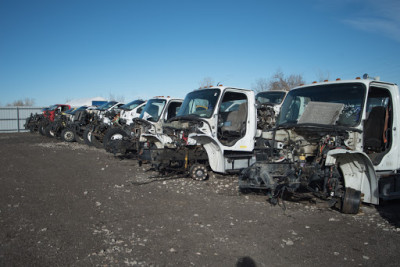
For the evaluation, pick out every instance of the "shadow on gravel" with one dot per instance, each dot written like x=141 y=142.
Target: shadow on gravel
x=245 y=262
x=390 y=211
x=126 y=156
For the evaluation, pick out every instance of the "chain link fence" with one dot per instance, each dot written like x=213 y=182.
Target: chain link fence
x=12 y=119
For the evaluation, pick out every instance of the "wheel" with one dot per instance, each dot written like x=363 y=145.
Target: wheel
x=48 y=131
x=95 y=141
x=79 y=138
x=41 y=129
x=112 y=135
x=351 y=201
x=68 y=135
x=87 y=136
x=198 y=172
x=78 y=135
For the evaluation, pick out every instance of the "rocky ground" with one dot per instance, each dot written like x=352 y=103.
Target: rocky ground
x=66 y=204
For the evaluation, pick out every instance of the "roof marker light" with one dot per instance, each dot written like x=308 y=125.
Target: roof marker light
x=338 y=79
x=358 y=78
x=314 y=82
x=325 y=80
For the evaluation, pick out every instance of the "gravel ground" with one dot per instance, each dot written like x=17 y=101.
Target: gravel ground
x=67 y=204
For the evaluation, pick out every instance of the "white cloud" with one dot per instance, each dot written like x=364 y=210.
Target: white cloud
x=380 y=17
x=379 y=26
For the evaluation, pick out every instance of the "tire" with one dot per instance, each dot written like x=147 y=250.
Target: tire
x=96 y=142
x=87 y=135
x=48 y=131
x=111 y=135
x=91 y=140
x=68 y=135
x=41 y=129
x=198 y=172
x=351 y=201
x=79 y=139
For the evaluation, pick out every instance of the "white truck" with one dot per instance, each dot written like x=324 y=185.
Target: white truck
x=336 y=140
x=150 y=121
x=215 y=127
x=131 y=111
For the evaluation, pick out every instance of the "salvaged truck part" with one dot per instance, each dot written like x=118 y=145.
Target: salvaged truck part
x=40 y=122
x=214 y=128
x=337 y=140
x=131 y=111
x=61 y=125
x=268 y=107
x=104 y=117
x=131 y=138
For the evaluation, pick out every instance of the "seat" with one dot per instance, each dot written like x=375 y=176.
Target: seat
x=235 y=122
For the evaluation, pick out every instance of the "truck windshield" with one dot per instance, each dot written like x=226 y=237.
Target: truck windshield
x=107 y=105
x=199 y=103
x=270 y=97
x=53 y=107
x=347 y=103
x=152 y=110
x=132 y=105
x=79 y=109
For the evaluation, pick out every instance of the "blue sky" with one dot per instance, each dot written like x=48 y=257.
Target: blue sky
x=57 y=50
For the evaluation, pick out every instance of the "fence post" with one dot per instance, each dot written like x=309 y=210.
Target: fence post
x=18 y=119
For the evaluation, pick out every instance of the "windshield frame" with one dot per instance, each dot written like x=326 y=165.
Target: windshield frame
x=308 y=90
x=188 y=103
x=138 y=102
x=107 y=105
x=148 y=106
x=53 y=107
x=281 y=93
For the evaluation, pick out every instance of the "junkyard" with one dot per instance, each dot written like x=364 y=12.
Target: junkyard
x=199 y=133
x=71 y=204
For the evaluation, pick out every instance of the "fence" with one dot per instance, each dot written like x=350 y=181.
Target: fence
x=12 y=119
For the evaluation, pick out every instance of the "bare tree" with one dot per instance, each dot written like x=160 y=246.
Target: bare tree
x=112 y=97
x=121 y=98
x=260 y=85
x=206 y=82
x=25 y=102
x=280 y=82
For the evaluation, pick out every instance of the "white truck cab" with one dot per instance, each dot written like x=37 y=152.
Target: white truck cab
x=338 y=139
x=214 y=127
x=131 y=110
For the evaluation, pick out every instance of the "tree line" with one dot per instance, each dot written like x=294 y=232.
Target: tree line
x=277 y=82
x=27 y=102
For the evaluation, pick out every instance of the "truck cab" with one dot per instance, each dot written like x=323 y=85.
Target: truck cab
x=338 y=140
x=215 y=127
x=148 y=126
x=54 y=110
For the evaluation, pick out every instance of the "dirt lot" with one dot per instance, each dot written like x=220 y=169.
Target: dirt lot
x=67 y=204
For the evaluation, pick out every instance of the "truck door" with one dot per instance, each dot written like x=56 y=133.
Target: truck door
x=378 y=124
x=172 y=109
x=235 y=124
